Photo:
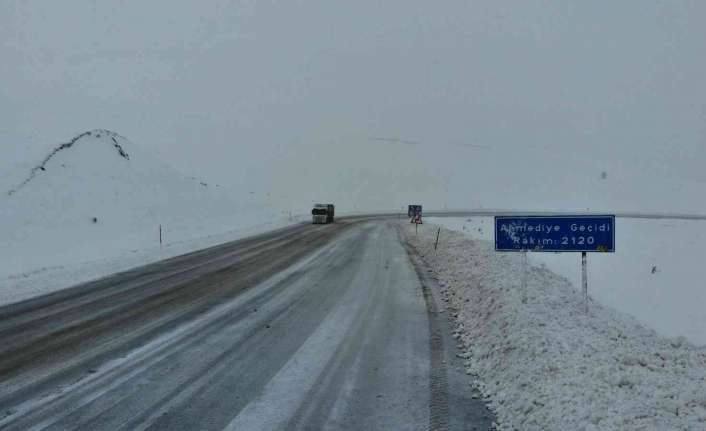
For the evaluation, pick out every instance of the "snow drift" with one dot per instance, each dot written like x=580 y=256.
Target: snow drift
x=547 y=365
x=655 y=274
x=99 y=196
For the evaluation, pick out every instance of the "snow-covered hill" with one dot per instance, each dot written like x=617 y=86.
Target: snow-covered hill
x=99 y=196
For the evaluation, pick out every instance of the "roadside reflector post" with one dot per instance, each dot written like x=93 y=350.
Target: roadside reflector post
x=584 y=278
x=524 y=276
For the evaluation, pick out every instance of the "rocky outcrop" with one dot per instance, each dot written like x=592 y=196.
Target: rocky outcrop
x=98 y=133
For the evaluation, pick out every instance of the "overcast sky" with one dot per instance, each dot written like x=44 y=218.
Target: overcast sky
x=522 y=102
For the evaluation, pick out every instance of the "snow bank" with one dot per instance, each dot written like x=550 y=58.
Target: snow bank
x=546 y=365
x=93 y=206
x=655 y=275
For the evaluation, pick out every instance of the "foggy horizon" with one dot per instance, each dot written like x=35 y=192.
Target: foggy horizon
x=460 y=105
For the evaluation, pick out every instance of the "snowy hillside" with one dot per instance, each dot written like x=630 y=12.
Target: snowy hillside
x=99 y=196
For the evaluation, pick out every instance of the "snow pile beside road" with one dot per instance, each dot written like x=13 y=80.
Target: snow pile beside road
x=654 y=275
x=546 y=365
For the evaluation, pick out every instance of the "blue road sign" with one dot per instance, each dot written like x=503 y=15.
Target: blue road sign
x=555 y=233
x=414 y=210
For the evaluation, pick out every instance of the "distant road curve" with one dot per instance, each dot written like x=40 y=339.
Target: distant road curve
x=494 y=212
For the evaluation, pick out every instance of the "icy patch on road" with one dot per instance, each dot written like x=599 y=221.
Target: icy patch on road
x=547 y=365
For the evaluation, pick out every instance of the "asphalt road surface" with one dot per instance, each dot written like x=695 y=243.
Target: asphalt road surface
x=310 y=327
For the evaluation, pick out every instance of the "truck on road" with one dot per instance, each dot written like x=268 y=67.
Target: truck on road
x=322 y=213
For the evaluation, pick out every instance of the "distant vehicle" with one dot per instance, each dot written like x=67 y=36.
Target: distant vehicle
x=322 y=213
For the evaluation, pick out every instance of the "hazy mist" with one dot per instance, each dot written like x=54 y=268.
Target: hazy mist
x=371 y=104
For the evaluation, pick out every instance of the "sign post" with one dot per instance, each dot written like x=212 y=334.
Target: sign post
x=524 y=277
x=559 y=234
x=584 y=278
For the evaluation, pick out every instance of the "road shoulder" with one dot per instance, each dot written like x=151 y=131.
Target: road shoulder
x=455 y=404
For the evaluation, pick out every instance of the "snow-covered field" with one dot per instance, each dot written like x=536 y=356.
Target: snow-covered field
x=95 y=207
x=546 y=364
x=672 y=300
x=20 y=286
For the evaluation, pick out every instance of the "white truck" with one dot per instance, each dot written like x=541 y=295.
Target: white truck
x=322 y=213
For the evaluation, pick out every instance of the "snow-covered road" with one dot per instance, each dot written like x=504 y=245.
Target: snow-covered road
x=309 y=327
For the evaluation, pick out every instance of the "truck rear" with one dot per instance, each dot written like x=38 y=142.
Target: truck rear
x=322 y=213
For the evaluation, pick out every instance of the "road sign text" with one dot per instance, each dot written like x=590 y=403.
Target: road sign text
x=594 y=233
